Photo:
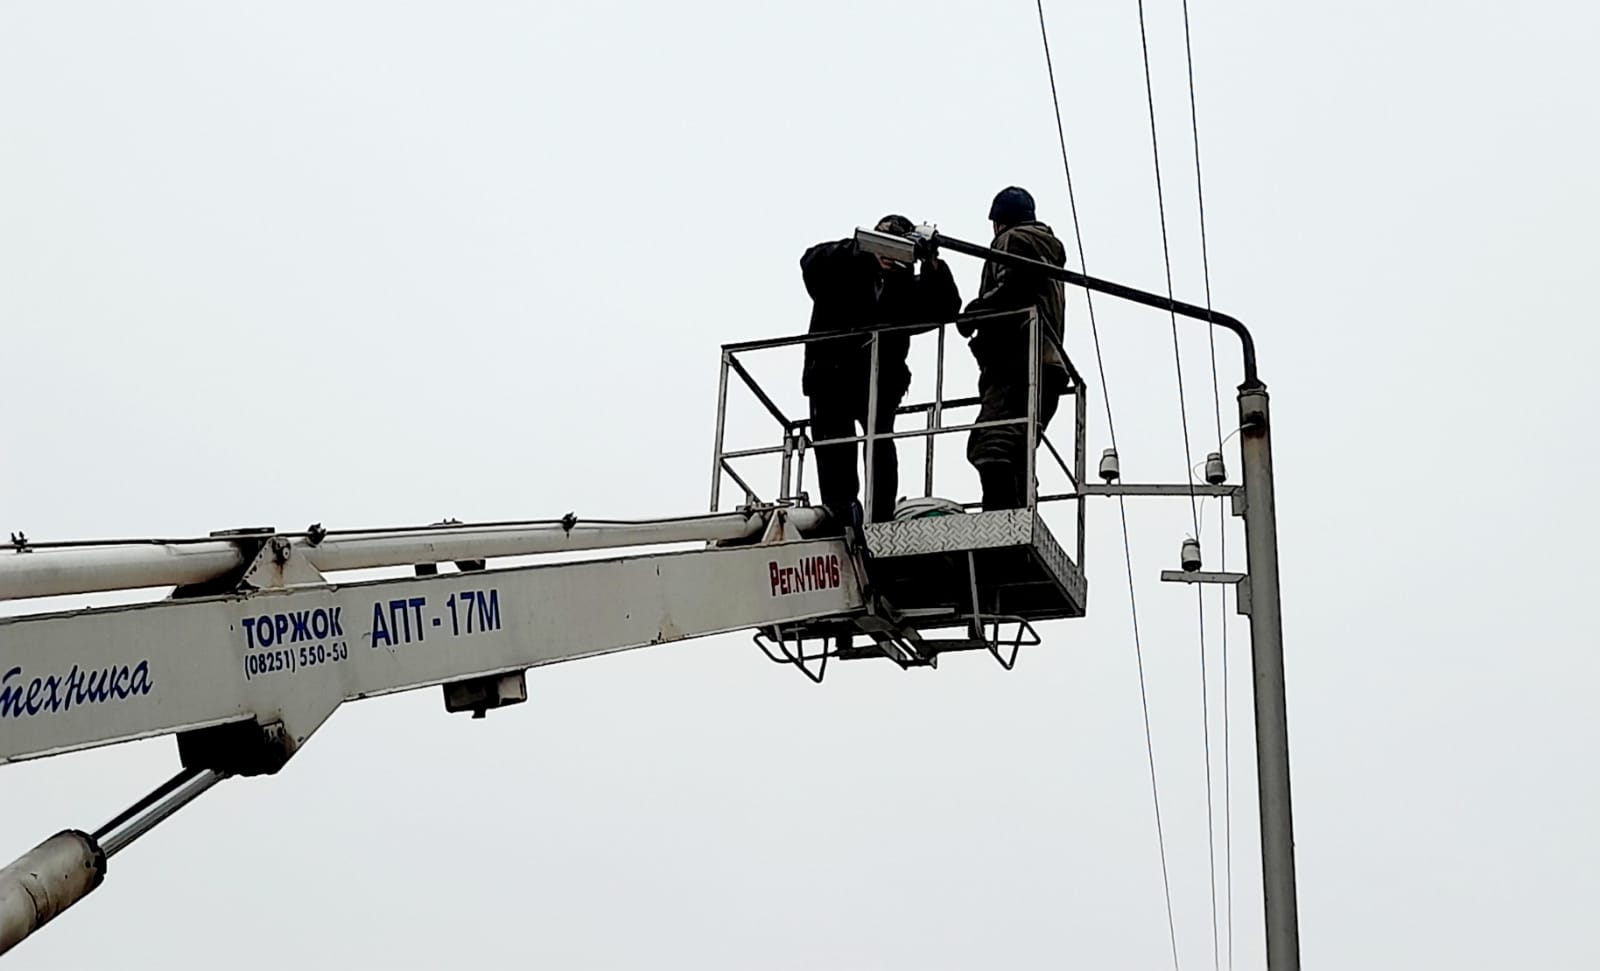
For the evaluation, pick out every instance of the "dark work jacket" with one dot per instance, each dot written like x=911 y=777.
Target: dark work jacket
x=1002 y=343
x=844 y=286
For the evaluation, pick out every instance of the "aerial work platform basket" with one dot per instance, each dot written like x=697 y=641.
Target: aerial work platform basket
x=941 y=564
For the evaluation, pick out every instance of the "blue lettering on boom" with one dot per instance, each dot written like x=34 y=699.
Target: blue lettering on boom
x=24 y=697
x=293 y=627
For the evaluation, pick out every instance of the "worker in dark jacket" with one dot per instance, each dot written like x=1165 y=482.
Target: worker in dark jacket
x=854 y=291
x=1001 y=348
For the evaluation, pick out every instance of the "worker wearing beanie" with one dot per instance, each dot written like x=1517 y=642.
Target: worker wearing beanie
x=1001 y=347
x=853 y=291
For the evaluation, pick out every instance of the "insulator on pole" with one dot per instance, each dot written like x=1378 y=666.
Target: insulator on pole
x=1190 y=556
x=1216 y=472
x=1110 y=467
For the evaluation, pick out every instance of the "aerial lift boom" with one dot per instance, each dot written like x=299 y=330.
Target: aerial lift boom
x=255 y=648
x=257 y=645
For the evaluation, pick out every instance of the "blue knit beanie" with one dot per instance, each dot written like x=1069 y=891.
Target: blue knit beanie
x=1012 y=206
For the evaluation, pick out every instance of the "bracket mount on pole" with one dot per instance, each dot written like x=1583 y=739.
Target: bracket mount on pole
x=1240 y=580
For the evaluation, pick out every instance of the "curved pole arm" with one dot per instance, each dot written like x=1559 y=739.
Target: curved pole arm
x=932 y=241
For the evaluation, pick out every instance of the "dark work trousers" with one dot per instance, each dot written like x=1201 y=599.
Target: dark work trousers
x=1000 y=454
x=836 y=416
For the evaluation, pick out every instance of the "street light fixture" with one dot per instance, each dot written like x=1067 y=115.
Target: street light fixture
x=901 y=249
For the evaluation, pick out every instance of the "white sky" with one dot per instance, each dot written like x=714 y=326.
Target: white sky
x=374 y=263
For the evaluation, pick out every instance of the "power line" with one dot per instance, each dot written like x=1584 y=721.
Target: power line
x=1077 y=228
x=1227 y=766
x=1222 y=513
x=1188 y=454
x=1127 y=552
x=1166 y=258
x=1211 y=824
x=1149 y=739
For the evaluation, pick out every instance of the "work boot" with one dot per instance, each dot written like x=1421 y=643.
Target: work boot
x=835 y=520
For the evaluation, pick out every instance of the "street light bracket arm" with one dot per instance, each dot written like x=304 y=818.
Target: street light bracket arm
x=1252 y=381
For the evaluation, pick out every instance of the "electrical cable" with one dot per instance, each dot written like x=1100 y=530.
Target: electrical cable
x=1127 y=552
x=1222 y=513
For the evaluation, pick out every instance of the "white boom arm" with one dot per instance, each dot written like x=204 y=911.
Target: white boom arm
x=256 y=648
x=290 y=656
x=53 y=571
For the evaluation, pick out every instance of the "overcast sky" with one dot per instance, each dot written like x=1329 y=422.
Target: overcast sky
x=365 y=263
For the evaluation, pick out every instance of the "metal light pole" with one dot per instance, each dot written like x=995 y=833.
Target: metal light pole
x=1258 y=592
x=1266 y=652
